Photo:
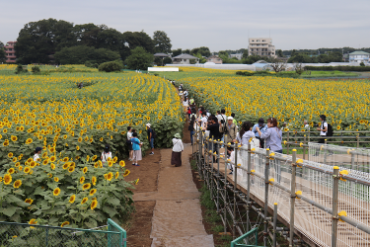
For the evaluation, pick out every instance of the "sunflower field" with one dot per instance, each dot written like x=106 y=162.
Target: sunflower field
x=345 y=103
x=69 y=185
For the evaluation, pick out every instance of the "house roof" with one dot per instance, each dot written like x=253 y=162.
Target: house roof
x=186 y=56
x=213 y=56
x=359 y=53
x=260 y=61
x=161 y=55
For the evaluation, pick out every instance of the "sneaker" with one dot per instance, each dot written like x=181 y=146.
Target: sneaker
x=130 y=159
x=136 y=164
x=151 y=153
x=133 y=164
x=231 y=173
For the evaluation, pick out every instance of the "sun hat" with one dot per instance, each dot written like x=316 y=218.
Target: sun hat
x=148 y=124
x=177 y=135
x=230 y=118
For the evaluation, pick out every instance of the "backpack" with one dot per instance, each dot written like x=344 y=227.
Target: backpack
x=330 y=131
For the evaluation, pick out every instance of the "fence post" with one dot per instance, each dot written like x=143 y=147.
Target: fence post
x=334 y=230
x=200 y=151
x=304 y=147
x=267 y=168
x=209 y=167
x=358 y=140
x=47 y=237
x=225 y=196
x=235 y=185
x=248 y=182
x=325 y=151
x=292 y=197
x=275 y=222
x=287 y=147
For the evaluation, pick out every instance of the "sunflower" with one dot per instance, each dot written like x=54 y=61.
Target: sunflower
x=65 y=223
x=94 y=157
x=110 y=176
x=87 y=158
x=100 y=163
x=5 y=131
x=65 y=159
x=32 y=222
x=122 y=163
x=126 y=173
x=29 y=201
x=56 y=191
x=17 y=164
x=45 y=162
x=84 y=200
x=92 y=192
x=101 y=139
x=20 y=168
x=29 y=160
x=10 y=155
x=14 y=138
x=94 y=204
x=82 y=180
x=115 y=159
x=79 y=140
x=71 y=169
x=84 y=170
x=17 y=184
x=29 y=141
x=86 y=186
x=109 y=159
x=110 y=163
x=50 y=175
x=11 y=171
x=65 y=137
x=53 y=159
x=77 y=147
x=96 y=165
x=93 y=180
x=56 y=179
x=136 y=181
x=65 y=166
x=15 y=159
x=6 y=143
x=52 y=166
x=27 y=170
x=105 y=176
x=72 y=199
x=33 y=164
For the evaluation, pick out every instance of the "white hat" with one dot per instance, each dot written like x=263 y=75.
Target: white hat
x=148 y=124
x=230 y=118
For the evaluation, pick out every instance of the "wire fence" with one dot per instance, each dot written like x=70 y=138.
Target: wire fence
x=32 y=235
x=325 y=201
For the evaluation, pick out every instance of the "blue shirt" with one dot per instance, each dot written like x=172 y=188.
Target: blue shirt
x=135 y=144
x=273 y=137
x=263 y=129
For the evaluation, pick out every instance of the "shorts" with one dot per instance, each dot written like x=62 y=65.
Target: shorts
x=152 y=143
x=129 y=145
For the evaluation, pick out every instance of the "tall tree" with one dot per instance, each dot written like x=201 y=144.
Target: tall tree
x=139 y=59
x=176 y=52
x=38 y=40
x=2 y=53
x=203 y=50
x=162 y=42
x=131 y=40
x=245 y=54
x=82 y=54
x=279 y=53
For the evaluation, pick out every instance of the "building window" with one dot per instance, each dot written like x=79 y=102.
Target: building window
x=252 y=40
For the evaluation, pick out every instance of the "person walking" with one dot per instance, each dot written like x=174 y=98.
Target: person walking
x=177 y=149
x=136 y=146
x=204 y=120
x=246 y=133
x=323 y=132
x=106 y=155
x=151 y=136
x=273 y=137
x=191 y=128
x=37 y=153
x=229 y=129
x=129 y=144
x=261 y=125
x=214 y=131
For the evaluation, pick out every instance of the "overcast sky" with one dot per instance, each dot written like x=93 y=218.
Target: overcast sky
x=220 y=25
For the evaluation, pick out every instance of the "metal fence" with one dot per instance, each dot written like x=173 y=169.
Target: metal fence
x=324 y=205
x=22 y=234
x=251 y=237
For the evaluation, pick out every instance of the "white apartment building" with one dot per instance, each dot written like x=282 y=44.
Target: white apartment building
x=358 y=57
x=261 y=47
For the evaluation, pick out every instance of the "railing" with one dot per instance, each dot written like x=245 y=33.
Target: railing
x=318 y=200
x=31 y=235
x=252 y=236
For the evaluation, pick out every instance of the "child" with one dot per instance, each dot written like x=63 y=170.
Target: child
x=105 y=155
x=36 y=156
x=231 y=157
x=136 y=146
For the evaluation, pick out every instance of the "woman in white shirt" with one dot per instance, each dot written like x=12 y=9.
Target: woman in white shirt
x=246 y=133
x=105 y=155
x=178 y=147
x=36 y=156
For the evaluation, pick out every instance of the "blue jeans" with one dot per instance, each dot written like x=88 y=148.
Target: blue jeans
x=191 y=136
x=152 y=142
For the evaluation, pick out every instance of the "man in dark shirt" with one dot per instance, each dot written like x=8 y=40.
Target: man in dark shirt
x=214 y=131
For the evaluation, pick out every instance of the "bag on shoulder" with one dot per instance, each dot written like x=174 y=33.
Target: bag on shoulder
x=153 y=134
x=330 y=131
